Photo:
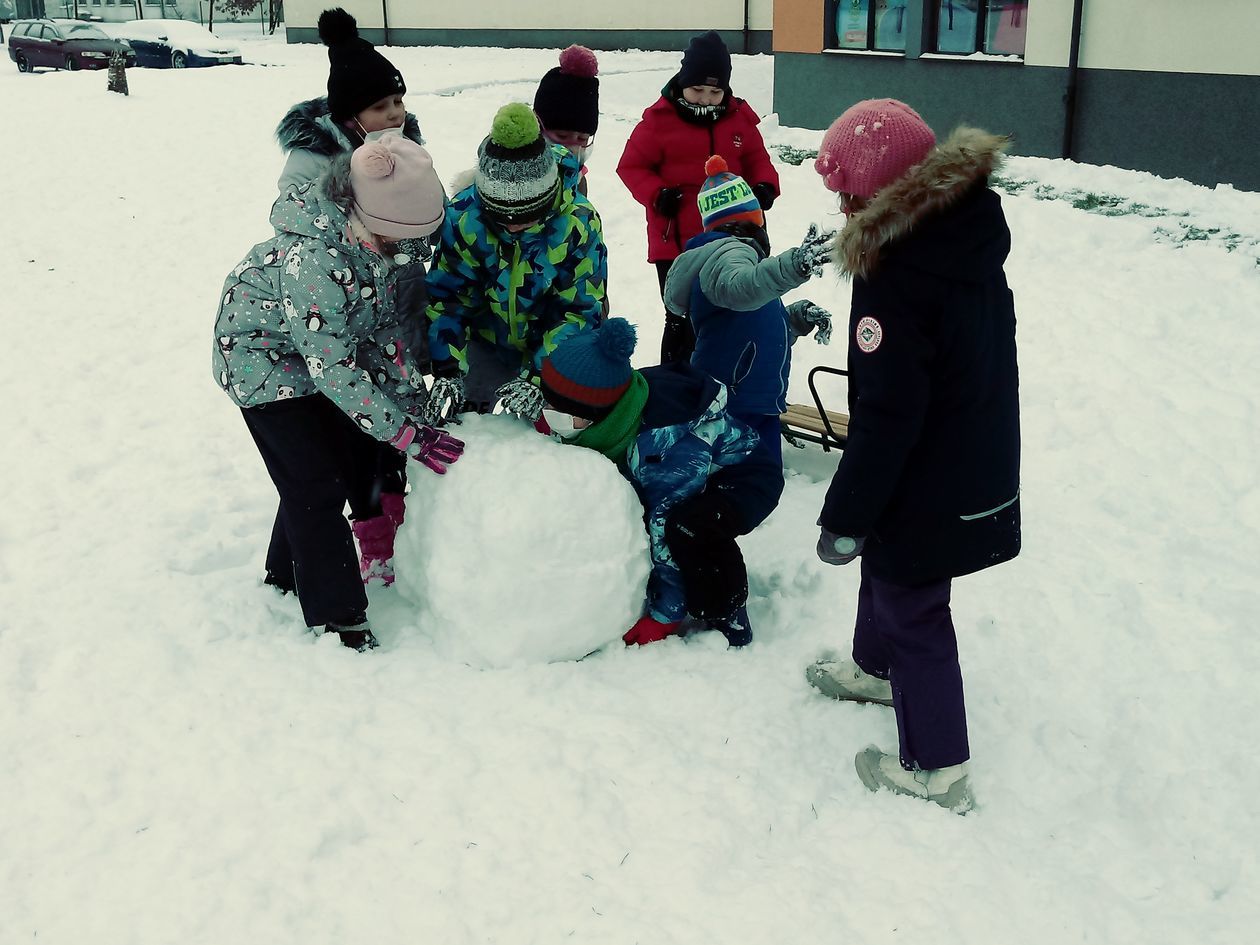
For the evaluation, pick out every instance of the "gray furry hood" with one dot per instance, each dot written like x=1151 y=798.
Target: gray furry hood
x=950 y=171
x=307 y=126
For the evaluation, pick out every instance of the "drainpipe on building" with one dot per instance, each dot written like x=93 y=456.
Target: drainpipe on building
x=747 y=30
x=1074 y=66
x=385 y=19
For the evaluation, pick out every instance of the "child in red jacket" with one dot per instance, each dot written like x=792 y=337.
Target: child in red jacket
x=663 y=164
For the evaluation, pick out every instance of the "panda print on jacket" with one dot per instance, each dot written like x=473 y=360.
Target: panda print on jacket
x=308 y=312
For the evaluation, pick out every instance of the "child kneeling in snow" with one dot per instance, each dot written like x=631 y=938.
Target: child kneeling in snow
x=698 y=471
x=308 y=347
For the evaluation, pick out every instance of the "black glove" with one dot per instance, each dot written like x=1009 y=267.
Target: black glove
x=765 y=194
x=445 y=398
x=837 y=549
x=814 y=251
x=678 y=340
x=668 y=201
x=522 y=397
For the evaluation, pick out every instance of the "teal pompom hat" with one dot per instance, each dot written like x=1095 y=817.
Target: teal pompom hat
x=589 y=371
x=517 y=177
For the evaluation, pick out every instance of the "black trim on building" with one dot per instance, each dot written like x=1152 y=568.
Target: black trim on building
x=1151 y=121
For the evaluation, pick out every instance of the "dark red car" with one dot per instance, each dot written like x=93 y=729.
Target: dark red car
x=62 y=44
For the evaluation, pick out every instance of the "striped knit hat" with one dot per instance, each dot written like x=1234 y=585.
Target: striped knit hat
x=590 y=370
x=726 y=197
x=517 y=178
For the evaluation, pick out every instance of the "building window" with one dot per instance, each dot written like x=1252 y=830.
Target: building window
x=997 y=27
x=867 y=24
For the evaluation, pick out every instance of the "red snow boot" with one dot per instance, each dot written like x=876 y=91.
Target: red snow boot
x=650 y=630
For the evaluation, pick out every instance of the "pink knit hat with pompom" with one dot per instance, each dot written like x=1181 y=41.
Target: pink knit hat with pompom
x=871 y=145
x=396 y=191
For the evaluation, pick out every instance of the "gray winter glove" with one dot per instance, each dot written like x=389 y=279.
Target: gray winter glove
x=804 y=316
x=445 y=398
x=814 y=251
x=521 y=397
x=837 y=549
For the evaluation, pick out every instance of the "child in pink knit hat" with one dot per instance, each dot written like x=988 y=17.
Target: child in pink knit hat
x=870 y=146
x=311 y=349
x=927 y=489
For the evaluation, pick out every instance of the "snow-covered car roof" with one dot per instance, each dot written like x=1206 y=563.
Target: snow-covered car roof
x=180 y=32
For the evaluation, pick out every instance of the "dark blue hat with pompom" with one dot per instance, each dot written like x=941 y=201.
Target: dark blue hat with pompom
x=589 y=371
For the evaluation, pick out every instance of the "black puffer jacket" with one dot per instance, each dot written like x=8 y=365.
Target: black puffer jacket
x=930 y=475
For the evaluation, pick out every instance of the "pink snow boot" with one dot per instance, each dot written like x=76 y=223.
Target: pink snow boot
x=376 y=540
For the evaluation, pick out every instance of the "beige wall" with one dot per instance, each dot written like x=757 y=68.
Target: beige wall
x=693 y=15
x=1209 y=36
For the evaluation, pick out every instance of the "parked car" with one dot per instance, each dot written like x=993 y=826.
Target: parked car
x=62 y=44
x=175 y=44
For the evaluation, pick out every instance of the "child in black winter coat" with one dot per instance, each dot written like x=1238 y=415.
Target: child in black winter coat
x=928 y=487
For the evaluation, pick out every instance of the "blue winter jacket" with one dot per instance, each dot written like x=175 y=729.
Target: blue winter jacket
x=688 y=444
x=732 y=294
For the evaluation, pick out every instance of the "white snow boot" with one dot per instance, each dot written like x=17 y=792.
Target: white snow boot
x=845 y=680
x=949 y=787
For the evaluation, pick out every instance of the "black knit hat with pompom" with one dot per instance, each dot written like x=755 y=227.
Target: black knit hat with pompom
x=358 y=76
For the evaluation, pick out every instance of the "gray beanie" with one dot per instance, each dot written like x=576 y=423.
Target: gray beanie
x=517 y=177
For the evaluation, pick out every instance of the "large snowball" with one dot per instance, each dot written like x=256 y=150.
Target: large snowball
x=526 y=551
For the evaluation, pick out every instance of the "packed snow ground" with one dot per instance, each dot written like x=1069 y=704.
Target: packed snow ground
x=182 y=762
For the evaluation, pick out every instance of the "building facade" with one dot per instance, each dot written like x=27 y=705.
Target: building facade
x=1168 y=86
x=745 y=25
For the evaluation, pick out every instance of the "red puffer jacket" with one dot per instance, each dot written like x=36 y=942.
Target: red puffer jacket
x=666 y=151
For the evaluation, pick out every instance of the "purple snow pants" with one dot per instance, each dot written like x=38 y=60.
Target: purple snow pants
x=906 y=635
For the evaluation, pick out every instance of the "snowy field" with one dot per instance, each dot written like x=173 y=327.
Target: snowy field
x=183 y=763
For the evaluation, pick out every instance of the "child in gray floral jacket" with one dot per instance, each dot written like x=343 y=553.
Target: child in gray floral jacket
x=309 y=347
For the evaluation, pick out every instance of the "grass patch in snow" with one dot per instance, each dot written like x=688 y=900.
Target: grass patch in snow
x=1177 y=228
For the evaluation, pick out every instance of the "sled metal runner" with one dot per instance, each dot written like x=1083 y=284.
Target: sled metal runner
x=816 y=424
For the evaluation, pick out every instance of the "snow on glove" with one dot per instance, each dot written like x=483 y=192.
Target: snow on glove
x=804 y=316
x=838 y=549
x=814 y=251
x=521 y=397
x=445 y=398
x=429 y=445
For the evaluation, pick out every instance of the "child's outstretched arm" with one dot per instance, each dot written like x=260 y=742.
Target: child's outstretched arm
x=733 y=275
x=455 y=292
x=317 y=311
x=580 y=285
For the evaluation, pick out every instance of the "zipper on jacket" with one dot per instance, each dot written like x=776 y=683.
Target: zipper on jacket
x=1005 y=505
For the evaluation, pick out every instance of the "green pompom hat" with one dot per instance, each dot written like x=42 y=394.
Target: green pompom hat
x=515 y=126
x=517 y=177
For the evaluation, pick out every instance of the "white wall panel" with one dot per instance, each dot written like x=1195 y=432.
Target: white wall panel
x=693 y=15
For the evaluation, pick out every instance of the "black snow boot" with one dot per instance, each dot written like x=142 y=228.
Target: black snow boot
x=357 y=636
x=736 y=628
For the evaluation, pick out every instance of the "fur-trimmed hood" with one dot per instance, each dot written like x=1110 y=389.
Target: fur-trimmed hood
x=942 y=180
x=307 y=126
